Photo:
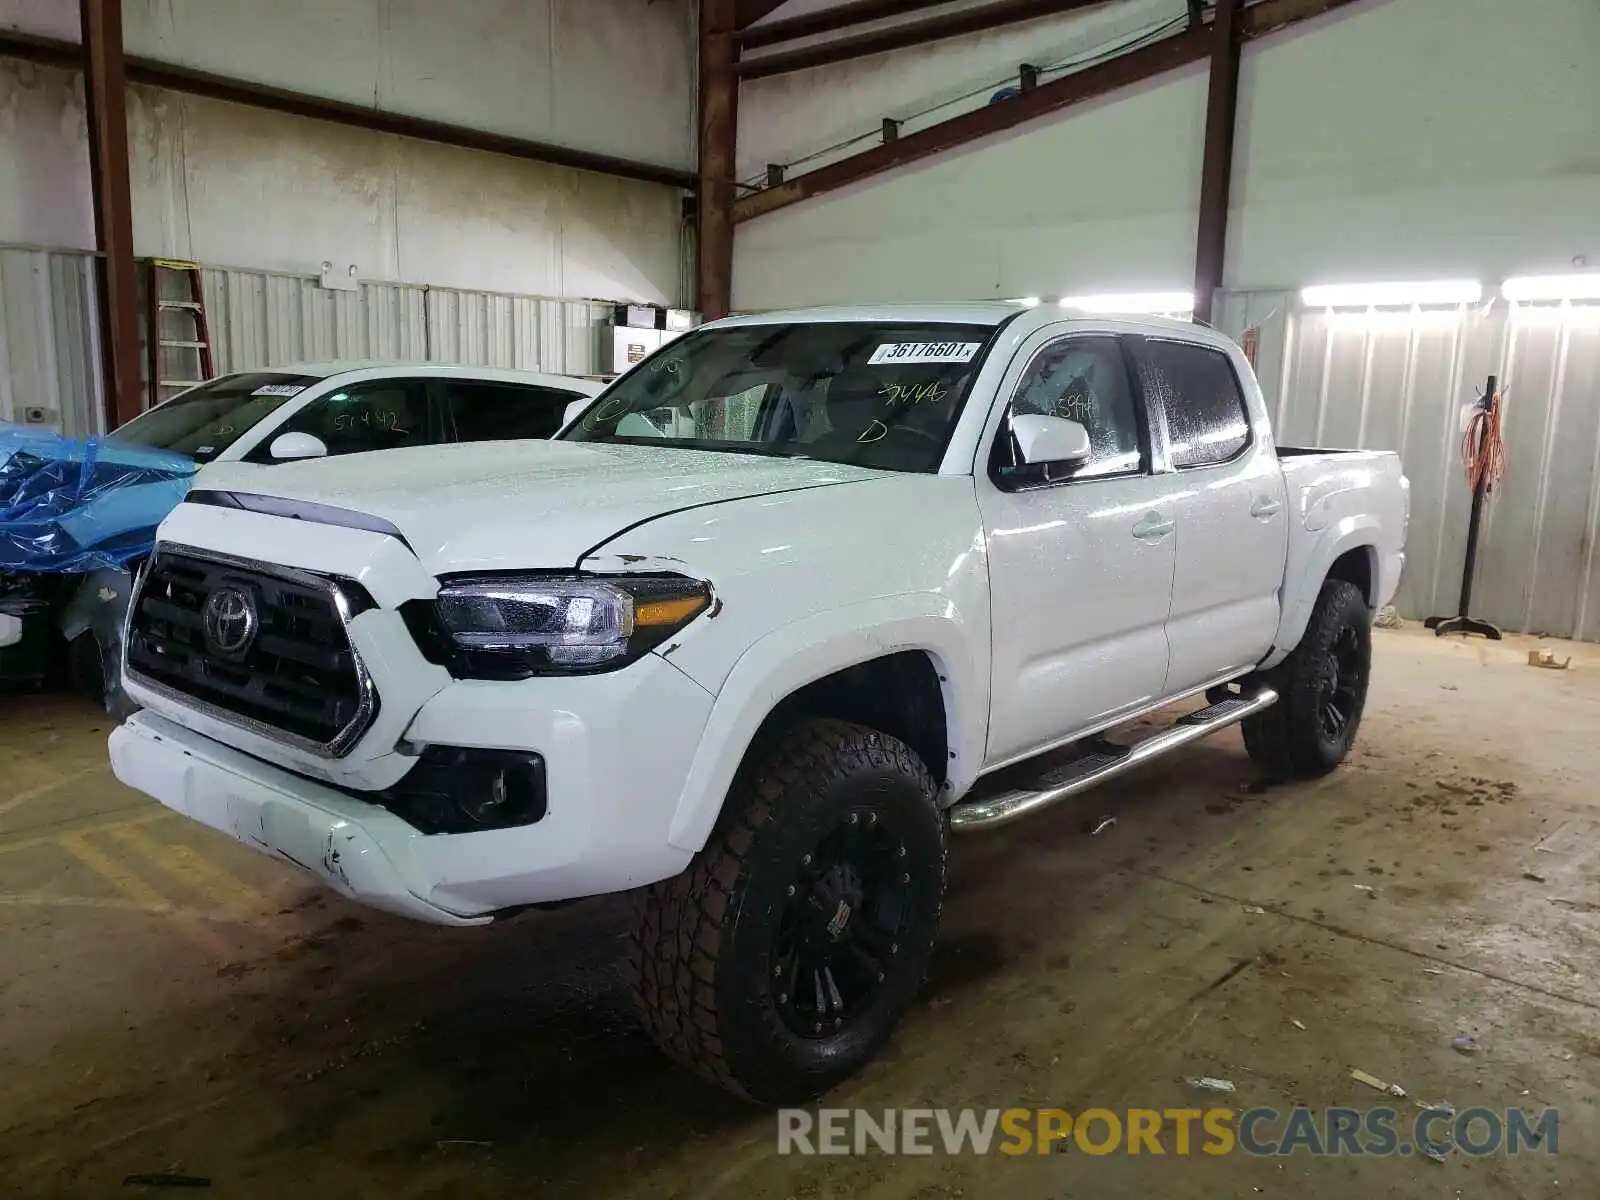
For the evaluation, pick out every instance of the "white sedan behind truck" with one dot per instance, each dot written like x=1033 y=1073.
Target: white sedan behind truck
x=247 y=421
x=752 y=635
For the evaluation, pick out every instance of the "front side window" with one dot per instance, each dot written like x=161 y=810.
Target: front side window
x=1082 y=379
x=385 y=414
x=1207 y=422
x=204 y=421
x=499 y=412
x=874 y=394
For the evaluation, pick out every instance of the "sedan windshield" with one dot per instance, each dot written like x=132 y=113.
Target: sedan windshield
x=206 y=420
x=869 y=393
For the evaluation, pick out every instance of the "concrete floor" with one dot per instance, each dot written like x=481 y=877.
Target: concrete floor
x=173 y=1002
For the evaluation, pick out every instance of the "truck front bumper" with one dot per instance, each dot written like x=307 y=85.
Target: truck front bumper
x=617 y=748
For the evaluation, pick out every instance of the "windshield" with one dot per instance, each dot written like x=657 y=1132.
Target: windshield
x=872 y=394
x=205 y=421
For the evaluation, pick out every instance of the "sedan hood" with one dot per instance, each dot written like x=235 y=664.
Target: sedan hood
x=507 y=505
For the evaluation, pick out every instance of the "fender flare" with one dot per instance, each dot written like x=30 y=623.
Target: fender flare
x=1347 y=534
x=787 y=659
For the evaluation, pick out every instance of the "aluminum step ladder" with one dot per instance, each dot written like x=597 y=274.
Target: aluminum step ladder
x=178 y=336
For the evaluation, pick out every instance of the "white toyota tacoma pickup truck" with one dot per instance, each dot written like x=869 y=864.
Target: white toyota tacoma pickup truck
x=750 y=637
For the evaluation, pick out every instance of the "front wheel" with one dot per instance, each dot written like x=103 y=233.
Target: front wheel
x=781 y=960
x=1322 y=690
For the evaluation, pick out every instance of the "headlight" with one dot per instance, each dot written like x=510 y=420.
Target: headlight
x=513 y=626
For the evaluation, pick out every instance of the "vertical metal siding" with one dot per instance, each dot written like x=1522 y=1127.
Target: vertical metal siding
x=532 y=333
x=49 y=347
x=262 y=319
x=1399 y=380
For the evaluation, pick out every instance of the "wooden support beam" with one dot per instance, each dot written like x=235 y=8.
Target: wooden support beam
x=1216 y=171
x=105 y=91
x=1269 y=16
x=829 y=20
x=1255 y=21
x=170 y=77
x=907 y=34
x=748 y=12
x=997 y=117
x=718 y=119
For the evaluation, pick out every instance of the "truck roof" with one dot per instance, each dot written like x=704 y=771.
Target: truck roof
x=980 y=312
x=976 y=312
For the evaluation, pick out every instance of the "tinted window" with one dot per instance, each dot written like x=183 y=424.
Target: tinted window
x=497 y=412
x=1206 y=418
x=1084 y=379
x=872 y=393
x=385 y=414
x=205 y=421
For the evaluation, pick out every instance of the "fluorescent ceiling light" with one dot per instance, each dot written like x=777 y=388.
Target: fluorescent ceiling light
x=1025 y=301
x=1133 y=302
x=1381 y=295
x=1552 y=287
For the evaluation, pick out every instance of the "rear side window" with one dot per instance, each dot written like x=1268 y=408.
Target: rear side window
x=498 y=412
x=1207 y=422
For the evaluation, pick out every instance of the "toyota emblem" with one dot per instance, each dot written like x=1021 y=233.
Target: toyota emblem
x=230 y=621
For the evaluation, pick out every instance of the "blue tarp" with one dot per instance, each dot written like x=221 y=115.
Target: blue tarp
x=74 y=506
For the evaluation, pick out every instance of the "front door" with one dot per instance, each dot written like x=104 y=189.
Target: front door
x=1080 y=562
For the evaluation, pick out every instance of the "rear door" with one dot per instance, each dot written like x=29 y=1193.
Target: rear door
x=1231 y=509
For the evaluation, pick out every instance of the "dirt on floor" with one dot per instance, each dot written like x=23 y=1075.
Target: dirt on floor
x=174 y=1004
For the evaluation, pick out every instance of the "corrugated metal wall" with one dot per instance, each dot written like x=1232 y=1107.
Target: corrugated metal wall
x=49 y=348
x=259 y=319
x=1399 y=380
x=264 y=319
x=49 y=355
x=528 y=333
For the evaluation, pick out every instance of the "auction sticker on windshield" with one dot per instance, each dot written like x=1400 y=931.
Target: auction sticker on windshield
x=923 y=352
x=279 y=389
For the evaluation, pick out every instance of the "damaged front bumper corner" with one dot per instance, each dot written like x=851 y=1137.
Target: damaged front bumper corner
x=347 y=844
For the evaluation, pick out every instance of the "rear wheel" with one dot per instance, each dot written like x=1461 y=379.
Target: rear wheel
x=1322 y=690
x=781 y=960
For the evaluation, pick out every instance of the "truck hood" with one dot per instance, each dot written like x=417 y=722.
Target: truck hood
x=507 y=505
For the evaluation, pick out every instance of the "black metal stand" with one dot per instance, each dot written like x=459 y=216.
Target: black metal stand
x=1461 y=622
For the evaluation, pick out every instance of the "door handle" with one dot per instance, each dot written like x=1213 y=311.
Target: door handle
x=1265 y=507
x=1152 y=527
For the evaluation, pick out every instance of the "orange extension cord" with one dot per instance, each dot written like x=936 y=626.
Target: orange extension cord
x=1482 y=448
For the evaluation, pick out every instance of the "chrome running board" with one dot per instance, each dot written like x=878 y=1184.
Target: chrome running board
x=1102 y=761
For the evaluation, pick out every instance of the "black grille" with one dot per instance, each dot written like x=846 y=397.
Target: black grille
x=297 y=675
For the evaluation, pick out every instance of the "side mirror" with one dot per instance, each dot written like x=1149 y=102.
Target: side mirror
x=289 y=446
x=1053 y=440
x=575 y=409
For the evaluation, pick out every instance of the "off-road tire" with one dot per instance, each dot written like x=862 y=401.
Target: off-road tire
x=1289 y=739
x=703 y=942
